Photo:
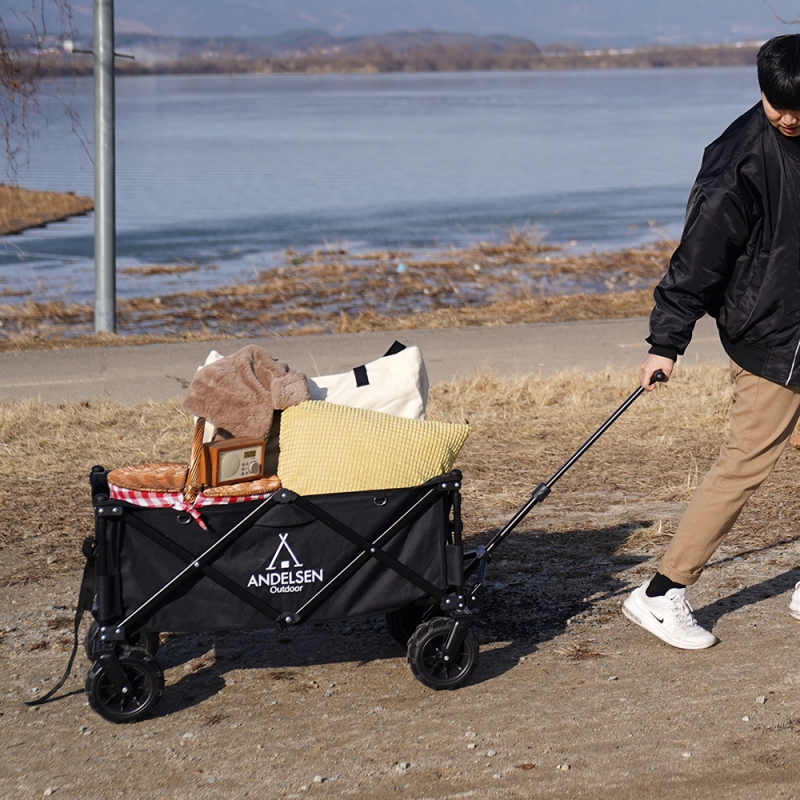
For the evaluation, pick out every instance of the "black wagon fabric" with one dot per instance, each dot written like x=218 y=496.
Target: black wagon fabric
x=284 y=559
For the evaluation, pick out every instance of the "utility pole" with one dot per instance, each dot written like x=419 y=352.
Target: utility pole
x=105 y=236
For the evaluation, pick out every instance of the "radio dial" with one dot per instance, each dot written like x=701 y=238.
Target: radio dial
x=253 y=468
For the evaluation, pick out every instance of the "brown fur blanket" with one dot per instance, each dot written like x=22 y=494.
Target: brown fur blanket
x=239 y=393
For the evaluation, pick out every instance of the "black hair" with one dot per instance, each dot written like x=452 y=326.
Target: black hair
x=779 y=71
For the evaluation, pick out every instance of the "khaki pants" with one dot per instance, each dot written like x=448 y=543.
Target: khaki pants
x=762 y=419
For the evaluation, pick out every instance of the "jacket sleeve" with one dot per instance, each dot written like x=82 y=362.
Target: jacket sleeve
x=715 y=234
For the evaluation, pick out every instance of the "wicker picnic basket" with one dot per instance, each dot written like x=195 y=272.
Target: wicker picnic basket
x=181 y=479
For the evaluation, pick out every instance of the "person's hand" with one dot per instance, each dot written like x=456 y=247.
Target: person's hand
x=650 y=366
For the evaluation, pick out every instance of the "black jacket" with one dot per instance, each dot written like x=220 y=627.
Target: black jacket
x=739 y=256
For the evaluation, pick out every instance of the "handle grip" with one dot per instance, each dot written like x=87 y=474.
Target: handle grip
x=658 y=377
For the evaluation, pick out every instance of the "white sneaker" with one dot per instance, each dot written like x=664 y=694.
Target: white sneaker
x=670 y=618
x=794 y=605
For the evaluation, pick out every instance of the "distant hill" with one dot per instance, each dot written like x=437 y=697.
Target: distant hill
x=595 y=23
x=591 y=24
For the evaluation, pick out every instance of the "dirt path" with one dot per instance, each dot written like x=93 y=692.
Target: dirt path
x=568 y=700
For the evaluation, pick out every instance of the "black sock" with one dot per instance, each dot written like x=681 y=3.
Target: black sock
x=660 y=585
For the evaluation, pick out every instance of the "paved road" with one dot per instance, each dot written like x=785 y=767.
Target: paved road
x=163 y=371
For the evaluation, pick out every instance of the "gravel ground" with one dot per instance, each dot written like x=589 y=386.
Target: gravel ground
x=568 y=700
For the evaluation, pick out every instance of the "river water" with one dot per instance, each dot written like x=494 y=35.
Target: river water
x=228 y=171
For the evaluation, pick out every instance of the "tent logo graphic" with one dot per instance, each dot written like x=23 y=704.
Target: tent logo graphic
x=285 y=572
x=284 y=545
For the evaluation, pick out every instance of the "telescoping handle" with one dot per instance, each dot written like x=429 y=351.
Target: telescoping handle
x=658 y=377
x=543 y=489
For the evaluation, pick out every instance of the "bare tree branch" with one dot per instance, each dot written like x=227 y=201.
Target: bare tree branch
x=24 y=62
x=795 y=21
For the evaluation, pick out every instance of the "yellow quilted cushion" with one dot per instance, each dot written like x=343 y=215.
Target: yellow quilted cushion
x=327 y=448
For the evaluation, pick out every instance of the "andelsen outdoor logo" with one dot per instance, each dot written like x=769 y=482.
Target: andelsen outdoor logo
x=289 y=576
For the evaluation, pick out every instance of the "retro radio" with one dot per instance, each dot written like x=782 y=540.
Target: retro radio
x=234 y=461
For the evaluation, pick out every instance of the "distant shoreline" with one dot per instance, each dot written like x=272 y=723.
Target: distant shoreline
x=430 y=58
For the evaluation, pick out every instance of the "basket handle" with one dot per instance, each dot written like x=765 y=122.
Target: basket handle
x=193 y=482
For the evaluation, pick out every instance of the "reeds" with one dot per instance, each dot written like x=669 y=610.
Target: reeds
x=517 y=280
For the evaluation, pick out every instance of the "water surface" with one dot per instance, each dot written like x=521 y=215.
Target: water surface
x=227 y=171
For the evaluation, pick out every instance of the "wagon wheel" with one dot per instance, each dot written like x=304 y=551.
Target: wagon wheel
x=146 y=640
x=143 y=674
x=426 y=659
x=402 y=622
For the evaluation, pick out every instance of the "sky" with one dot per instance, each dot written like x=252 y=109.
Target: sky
x=588 y=21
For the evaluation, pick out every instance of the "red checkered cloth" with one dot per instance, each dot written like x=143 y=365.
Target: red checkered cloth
x=176 y=500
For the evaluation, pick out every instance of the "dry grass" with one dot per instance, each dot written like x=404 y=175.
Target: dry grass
x=633 y=481
x=148 y=270
x=530 y=424
x=517 y=280
x=46 y=510
x=22 y=208
x=552 y=308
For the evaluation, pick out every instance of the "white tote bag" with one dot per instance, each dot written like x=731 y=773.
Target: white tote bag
x=395 y=384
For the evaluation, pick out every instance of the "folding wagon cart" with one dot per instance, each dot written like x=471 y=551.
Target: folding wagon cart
x=283 y=560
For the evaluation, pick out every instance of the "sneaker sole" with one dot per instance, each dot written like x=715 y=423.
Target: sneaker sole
x=795 y=614
x=642 y=622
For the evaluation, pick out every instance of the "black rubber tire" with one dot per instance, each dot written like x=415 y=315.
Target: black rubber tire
x=88 y=640
x=144 y=675
x=402 y=622
x=425 y=655
x=146 y=640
